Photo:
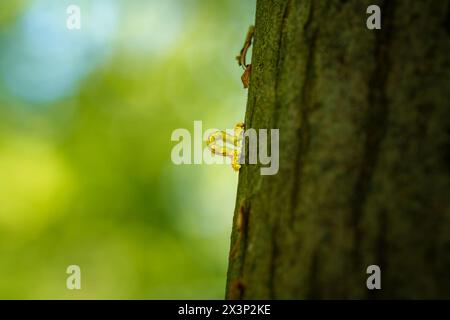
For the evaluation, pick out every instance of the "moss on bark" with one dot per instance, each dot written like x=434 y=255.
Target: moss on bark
x=364 y=175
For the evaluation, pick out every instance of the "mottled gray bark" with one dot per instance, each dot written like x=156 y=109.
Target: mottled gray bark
x=364 y=175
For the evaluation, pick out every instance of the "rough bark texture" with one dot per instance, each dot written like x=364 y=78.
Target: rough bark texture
x=364 y=175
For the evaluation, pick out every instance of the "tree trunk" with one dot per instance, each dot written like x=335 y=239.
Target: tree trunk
x=364 y=175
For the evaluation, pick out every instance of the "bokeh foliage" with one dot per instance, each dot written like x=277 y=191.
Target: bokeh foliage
x=85 y=123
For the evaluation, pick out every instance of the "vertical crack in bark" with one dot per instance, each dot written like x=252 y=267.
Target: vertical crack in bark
x=302 y=136
x=279 y=64
x=384 y=60
x=244 y=241
x=375 y=129
x=280 y=58
x=302 y=131
x=252 y=112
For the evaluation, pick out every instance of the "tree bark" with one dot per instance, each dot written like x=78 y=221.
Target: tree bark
x=364 y=175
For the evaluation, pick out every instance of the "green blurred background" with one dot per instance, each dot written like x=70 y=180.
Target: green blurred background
x=86 y=117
